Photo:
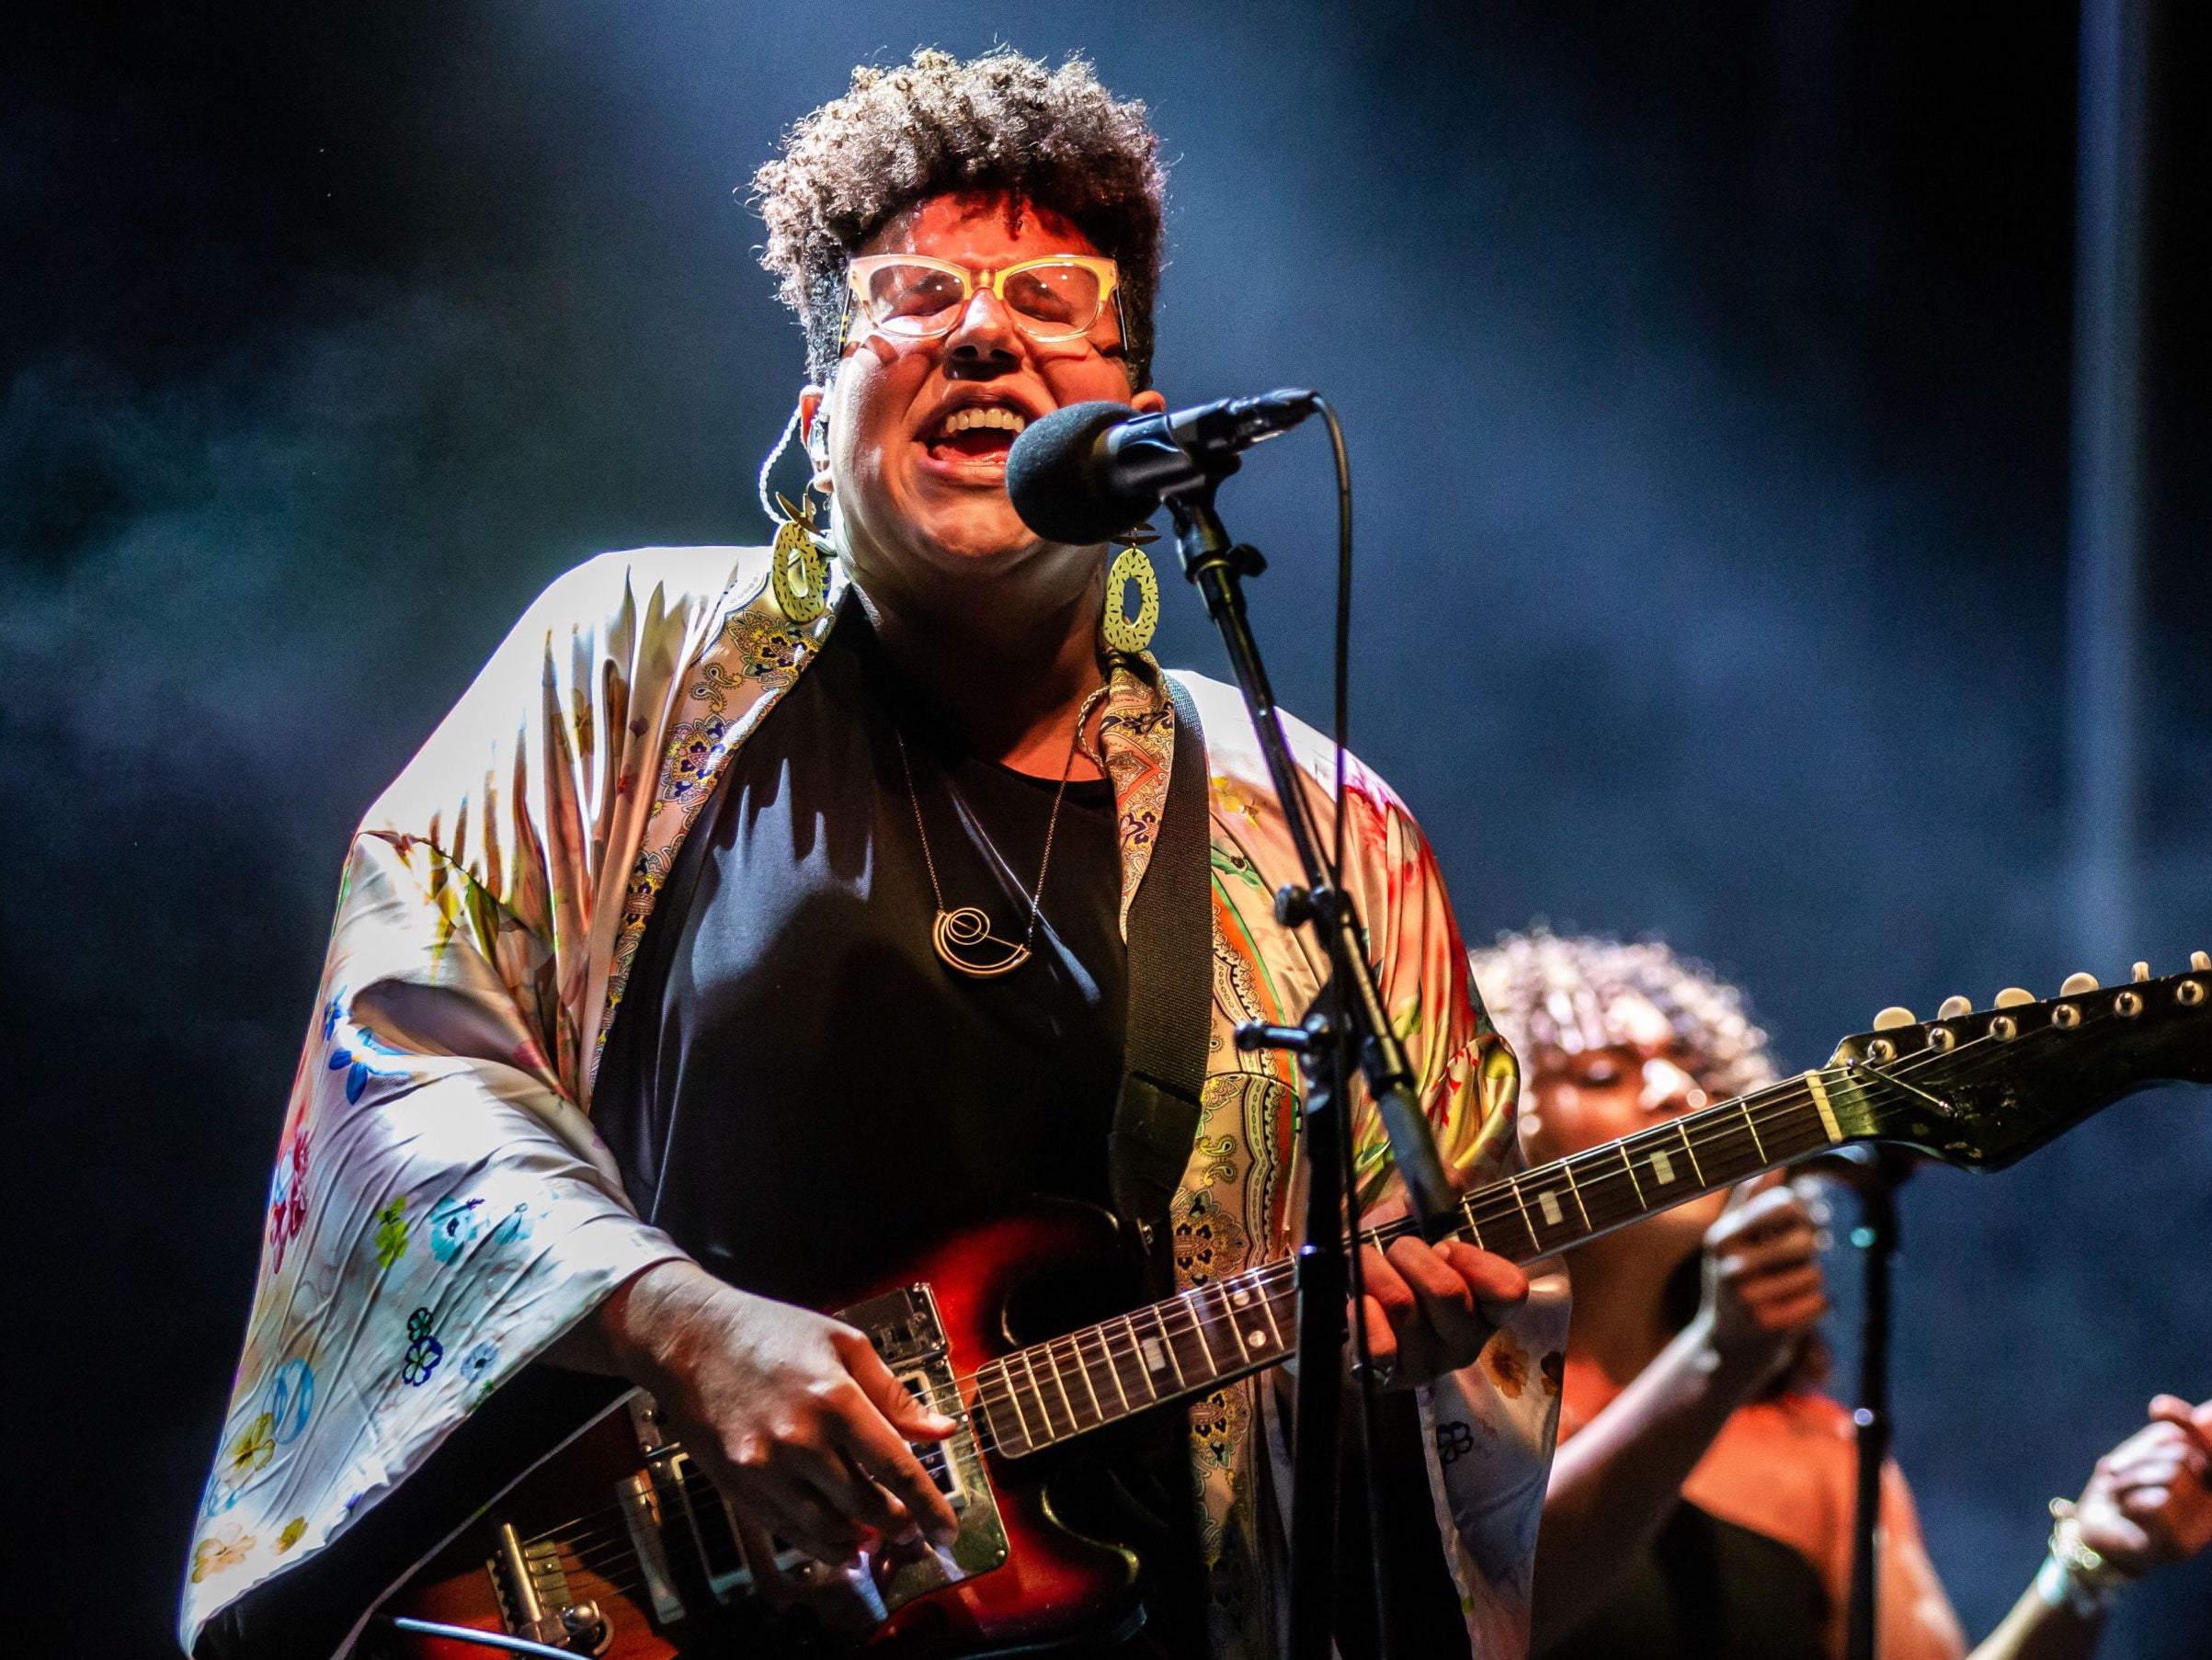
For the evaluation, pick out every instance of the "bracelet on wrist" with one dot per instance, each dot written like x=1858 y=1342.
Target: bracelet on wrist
x=2074 y=1575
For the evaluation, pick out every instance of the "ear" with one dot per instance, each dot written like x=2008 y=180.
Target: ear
x=813 y=428
x=1148 y=402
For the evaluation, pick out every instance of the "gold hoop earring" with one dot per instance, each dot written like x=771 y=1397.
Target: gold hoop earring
x=799 y=565
x=1124 y=633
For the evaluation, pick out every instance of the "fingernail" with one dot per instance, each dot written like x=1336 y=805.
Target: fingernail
x=907 y=1535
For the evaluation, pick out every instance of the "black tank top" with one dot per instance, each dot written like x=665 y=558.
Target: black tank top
x=1706 y=1589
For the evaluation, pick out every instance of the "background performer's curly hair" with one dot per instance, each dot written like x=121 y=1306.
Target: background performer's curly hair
x=1544 y=992
x=1002 y=121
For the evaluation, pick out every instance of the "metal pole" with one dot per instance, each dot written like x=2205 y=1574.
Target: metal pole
x=2107 y=494
x=1877 y=1238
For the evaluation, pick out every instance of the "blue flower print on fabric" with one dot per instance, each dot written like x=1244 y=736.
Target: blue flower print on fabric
x=290 y=1398
x=455 y=1225
x=351 y=1057
x=355 y=1063
x=423 y=1351
x=476 y=1373
x=514 y=1227
x=479 y=1360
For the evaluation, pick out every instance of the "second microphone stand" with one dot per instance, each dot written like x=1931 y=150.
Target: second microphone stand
x=1883 y=1169
x=1348 y=1022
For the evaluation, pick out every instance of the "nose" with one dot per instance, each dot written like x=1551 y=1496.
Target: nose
x=1668 y=1088
x=984 y=343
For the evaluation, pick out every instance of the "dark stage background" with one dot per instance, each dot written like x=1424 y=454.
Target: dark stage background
x=1705 y=372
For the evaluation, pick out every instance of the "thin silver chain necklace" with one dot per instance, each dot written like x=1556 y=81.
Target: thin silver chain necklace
x=968 y=928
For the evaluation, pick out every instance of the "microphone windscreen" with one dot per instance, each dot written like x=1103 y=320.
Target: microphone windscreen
x=1051 y=476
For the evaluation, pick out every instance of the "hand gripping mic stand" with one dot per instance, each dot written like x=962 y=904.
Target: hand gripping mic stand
x=1347 y=1021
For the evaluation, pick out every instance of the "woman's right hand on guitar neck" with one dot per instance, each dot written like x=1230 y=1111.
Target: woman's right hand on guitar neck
x=791 y=1414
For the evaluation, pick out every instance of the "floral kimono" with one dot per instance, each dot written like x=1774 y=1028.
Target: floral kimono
x=441 y=1209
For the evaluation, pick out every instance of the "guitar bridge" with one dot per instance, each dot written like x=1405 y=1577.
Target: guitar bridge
x=533 y=1589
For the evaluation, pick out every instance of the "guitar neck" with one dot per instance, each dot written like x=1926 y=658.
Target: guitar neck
x=1216 y=1333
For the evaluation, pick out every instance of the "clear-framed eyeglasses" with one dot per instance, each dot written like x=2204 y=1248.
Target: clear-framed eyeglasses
x=912 y=297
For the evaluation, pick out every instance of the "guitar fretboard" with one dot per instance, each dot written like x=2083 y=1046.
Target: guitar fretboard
x=1229 y=1328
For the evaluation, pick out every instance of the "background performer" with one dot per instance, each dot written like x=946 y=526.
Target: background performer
x=1703 y=1505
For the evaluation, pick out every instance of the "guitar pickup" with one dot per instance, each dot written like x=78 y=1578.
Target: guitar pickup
x=902 y=1326
x=905 y=1330
x=935 y=1456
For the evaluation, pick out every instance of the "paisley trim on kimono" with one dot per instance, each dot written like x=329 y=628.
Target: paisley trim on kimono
x=1137 y=735
x=754 y=655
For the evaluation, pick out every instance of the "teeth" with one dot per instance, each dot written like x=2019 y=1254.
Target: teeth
x=983 y=415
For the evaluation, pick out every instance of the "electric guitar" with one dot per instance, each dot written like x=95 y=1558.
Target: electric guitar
x=615 y=1544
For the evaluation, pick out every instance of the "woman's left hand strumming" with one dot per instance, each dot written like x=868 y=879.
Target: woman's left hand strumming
x=1430 y=1308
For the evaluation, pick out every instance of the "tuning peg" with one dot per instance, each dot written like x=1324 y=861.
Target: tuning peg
x=1954 y=1007
x=2012 y=998
x=2075 y=985
x=2199 y=962
x=2141 y=971
x=1894 y=1016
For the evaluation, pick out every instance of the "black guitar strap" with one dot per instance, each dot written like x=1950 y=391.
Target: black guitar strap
x=1170 y=998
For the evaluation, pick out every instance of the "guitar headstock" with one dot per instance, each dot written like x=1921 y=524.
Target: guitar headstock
x=1982 y=1088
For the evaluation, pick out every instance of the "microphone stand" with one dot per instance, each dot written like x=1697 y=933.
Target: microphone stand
x=1347 y=1020
x=1878 y=1177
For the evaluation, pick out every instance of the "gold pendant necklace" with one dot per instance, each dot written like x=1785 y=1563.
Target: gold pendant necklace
x=968 y=928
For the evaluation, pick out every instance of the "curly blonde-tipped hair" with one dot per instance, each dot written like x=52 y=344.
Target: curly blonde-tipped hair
x=1000 y=123
x=1545 y=992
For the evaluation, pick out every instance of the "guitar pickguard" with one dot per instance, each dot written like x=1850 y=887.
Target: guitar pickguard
x=904 y=1329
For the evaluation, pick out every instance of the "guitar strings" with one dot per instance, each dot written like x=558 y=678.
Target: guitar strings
x=1768 y=1106
x=1761 y=1108
x=1184 y=1316
x=1754 y=1110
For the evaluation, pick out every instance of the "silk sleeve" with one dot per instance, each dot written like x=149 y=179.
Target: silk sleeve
x=440 y=1209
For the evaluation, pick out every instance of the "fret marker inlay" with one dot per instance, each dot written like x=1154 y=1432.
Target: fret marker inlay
x=1548 y=1202
x=1828 y=1113
x=1662 y=1168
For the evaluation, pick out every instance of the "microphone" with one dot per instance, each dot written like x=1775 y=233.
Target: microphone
x=1084 y=473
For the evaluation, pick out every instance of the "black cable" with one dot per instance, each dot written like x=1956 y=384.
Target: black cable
x=1343 y=642
x=1363 y=1363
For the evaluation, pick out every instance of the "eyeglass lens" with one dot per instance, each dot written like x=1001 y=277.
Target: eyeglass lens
x=1048 y=301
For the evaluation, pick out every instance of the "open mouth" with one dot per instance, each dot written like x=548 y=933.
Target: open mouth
x=976 y=432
